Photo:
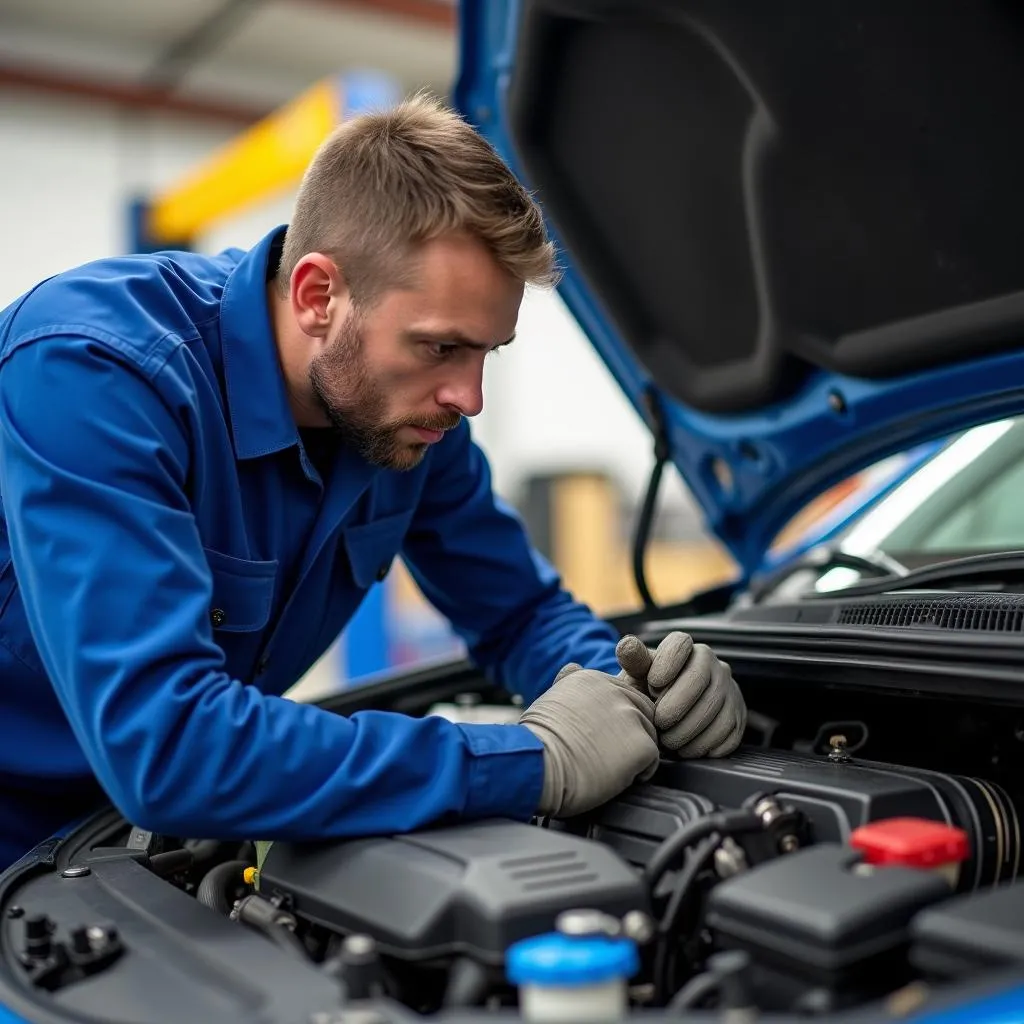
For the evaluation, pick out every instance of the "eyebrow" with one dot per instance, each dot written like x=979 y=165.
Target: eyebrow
x=458 y=338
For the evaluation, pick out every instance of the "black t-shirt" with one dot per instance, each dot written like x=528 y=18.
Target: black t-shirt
x=321 y=444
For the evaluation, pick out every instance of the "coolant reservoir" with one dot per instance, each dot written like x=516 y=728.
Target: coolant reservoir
x=572 y=979
x=913 y=843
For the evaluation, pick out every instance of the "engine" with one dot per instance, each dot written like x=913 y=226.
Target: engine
x=736 y=878
x=771 y=881
x=470 y=890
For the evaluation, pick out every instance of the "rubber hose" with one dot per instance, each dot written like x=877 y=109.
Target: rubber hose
x=213 y=889
x=676 y=844
x=691 y=994
x=208 y=851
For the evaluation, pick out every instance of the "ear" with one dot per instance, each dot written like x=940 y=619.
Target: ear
x=318 y=291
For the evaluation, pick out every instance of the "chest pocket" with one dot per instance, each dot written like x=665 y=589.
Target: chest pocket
x=243 y=592
x=371 y=547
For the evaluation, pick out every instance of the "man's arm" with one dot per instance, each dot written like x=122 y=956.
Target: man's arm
x=94 y=464
x=471 y=557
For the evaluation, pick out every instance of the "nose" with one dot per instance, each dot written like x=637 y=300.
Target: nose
x=464 y=393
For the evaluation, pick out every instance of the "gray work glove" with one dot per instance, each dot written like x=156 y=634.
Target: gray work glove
x=598 y=735
x=699 y=710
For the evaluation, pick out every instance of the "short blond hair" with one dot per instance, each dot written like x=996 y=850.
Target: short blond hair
x=384 y=183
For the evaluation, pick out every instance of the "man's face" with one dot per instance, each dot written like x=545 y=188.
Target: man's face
x=395 y=377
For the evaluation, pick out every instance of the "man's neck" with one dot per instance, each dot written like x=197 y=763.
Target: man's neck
x=293 y=360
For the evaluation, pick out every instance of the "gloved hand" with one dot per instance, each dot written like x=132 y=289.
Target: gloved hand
x=699 y=710
x=598 y=735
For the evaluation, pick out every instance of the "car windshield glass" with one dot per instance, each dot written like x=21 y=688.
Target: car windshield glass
x=965 y=500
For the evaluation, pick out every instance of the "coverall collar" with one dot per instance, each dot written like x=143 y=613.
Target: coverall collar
x=261 y=417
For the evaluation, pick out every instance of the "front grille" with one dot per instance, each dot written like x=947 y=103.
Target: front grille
x=990 y=613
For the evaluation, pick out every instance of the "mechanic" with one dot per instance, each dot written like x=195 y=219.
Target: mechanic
x=206 y=462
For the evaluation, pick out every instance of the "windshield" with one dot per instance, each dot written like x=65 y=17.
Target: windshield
x=967 y=499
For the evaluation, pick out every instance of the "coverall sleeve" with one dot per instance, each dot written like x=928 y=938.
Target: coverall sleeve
x=94 y=472
x=470 y=555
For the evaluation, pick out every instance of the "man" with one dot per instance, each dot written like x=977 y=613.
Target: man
x=205 y=462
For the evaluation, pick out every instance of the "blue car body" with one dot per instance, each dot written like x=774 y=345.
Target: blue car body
x=750 y=469
x=752 y=460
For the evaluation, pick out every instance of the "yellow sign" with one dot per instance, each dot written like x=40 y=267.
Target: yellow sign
x=267 y=158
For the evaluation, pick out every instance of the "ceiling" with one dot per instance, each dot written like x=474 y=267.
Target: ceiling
x=229 y=60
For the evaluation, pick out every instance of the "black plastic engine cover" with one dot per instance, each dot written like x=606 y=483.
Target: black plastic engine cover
x=971 y=932
x=822 y=915
x=835 y=797
x=471 y=889
x=635 y=823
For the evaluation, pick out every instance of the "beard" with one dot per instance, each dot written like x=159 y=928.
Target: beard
x=356 y=404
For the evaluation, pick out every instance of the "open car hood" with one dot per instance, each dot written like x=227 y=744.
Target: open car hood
x=792 y=231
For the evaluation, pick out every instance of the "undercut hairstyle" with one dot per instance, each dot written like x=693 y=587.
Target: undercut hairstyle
x=383 y=184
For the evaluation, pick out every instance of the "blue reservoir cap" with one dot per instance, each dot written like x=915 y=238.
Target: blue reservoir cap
x=556 y=959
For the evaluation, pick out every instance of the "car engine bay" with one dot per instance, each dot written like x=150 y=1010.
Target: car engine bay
x=749 y=854
x=859 y=862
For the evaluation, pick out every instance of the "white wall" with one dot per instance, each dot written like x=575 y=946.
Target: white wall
x=69 y=168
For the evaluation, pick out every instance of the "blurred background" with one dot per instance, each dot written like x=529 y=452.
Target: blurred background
x=127 y=124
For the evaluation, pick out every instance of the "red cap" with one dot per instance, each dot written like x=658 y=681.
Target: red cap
x=910 y=842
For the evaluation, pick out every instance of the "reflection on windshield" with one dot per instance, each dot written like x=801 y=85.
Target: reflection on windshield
x=877 y=530
x=962 y=498
x=836 y=578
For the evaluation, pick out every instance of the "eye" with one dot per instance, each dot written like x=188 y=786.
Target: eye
x=440 y=350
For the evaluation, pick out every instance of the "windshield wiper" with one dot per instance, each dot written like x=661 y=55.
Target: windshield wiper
x=989 y=571
x=822 y=558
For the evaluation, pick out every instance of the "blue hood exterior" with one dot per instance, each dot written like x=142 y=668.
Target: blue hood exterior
x=809 y=407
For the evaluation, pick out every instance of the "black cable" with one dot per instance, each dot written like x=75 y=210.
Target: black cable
x=674 y=846
x=672 y=849
x=693 y=992
x=662 y=455
x=727 y=972
x=667 y=925
x=643 y=533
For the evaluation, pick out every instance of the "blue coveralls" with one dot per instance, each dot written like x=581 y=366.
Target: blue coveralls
x=171 y=562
